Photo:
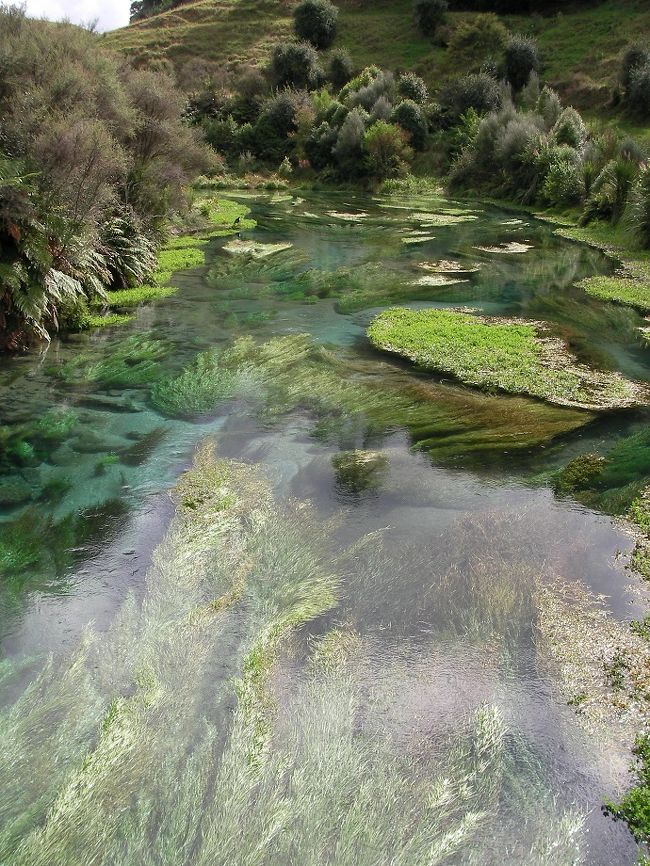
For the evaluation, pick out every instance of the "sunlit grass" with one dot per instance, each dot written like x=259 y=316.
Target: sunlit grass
x=511 y=356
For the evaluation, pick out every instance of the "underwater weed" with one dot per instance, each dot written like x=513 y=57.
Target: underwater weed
x=197 y=391
x=132 y=363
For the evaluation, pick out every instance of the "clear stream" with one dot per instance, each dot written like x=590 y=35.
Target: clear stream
x=457 y=488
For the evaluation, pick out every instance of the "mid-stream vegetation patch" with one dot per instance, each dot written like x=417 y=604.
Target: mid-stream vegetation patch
x=512 y=356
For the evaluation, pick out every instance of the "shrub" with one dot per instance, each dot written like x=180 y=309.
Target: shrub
x=609 y=191
x=411 y=86
x=409 y=116
x=638 y=98
x=429 y=15
x=320 y=145
x=637 y=214
x=349 y=144
x=86 y=134
x=315 y=22
x=381 y=110
x=223 y=135
x=549 y=106
x=520 y=60
x=387 y=152
x=277 y=124
x=564 y=183
x=635 y=57
x=295 y=64
x=367 y=74
x=478 y=91
x=570 y=129
x=478 y=38
x=340 y=68
x=382 y=84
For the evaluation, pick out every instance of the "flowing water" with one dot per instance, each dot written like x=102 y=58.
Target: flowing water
x=402 y=523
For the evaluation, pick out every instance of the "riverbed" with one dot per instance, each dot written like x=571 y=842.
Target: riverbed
x=431 y=500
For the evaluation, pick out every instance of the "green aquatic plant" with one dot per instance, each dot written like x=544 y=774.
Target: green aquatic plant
x=131 y=750
x=197 y=391
x=508 y=355
x=56 y=424
x=578 y=474
x=352 y=404
x=14 y=490
x=359 y=471
x=132 y=363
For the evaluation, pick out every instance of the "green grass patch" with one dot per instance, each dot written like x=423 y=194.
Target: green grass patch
x=510 y=356
x=108 y=320
x=138 y=295
x=630 y=284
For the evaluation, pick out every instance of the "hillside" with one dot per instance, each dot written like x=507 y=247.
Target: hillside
x=579 y=48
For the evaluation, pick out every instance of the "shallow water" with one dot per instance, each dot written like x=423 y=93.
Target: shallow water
x=442 y=605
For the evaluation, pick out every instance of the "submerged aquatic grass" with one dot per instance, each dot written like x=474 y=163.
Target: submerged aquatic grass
x=197 y=391
x=132 y=363
x=130 y=751
x=508 y=355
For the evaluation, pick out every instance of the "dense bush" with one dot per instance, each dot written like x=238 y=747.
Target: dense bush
x=564 y=183
x=382 y=84
x=637 y=214
x=319 y=147
x=477 y=39
x=549 y=106
x=520 y=60
x=479 y=91
x=638 y=98
x=277 y=121
x=570 y=129
x=411 y=86
x=315 y=22
x=635 y=57
x=410 y=118
x=381 y=110
x=349 y=144
x=96 y=156
x=340 y=68
x=608 y=194
x=429 y=15
x=295 y=64
x=386 y=149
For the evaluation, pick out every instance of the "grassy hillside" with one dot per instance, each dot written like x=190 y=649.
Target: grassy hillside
x=579 y=49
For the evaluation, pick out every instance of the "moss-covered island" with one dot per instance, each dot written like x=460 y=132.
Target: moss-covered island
x=509 y=355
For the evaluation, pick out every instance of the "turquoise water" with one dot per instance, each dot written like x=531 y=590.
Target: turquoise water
x=454 y=495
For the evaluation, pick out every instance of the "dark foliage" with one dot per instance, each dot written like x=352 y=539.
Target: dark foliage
x=429 y=15
x=480 y=92
x=340 y=68
x=315 y=22
x=295 y=64
x=410 y=118
x=520 y=60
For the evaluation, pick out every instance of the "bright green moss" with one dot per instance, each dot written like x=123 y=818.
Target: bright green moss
x=507 y=355
x=107 y=321
x=138 y=295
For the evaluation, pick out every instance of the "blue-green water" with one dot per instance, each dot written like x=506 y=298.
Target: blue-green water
x=457 y=488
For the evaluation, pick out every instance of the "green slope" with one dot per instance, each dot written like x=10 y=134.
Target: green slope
x=580 y=49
